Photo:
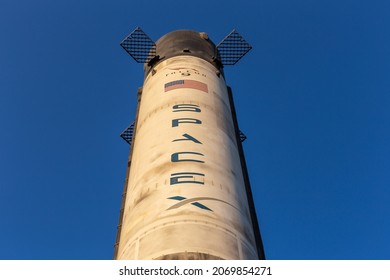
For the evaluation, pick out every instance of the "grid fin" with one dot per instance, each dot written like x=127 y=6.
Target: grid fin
x=128 y=134
x=139 y=46
x=232 y=48
x=242 y=136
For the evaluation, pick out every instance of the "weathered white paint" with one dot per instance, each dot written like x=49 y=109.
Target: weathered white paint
x=154 y=225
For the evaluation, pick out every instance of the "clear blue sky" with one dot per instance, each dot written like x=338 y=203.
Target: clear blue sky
x=313 y=98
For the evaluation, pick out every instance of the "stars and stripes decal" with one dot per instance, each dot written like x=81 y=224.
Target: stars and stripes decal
x=186 y=84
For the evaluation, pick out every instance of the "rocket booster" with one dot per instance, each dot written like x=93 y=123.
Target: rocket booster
x=186 y=195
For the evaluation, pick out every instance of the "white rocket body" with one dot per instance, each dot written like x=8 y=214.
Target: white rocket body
x=186 y=196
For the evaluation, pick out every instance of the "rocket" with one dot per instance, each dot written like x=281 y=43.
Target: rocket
x=187 y=194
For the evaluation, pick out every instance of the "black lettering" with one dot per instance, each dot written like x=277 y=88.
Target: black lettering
x=186 y=108
x=175 y=157
x=175 y=178
x=176 y=122
x=188 y=138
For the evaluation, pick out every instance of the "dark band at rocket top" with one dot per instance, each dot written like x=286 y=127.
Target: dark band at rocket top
x=185 y=42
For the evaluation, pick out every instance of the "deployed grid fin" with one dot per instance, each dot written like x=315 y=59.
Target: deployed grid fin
x=128 y=134
x=139 y=46
x=232 y=48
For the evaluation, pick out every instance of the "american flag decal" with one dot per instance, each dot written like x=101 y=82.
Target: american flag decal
x=186 y=84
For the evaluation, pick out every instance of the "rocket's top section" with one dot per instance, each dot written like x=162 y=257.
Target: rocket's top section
x=185 y=42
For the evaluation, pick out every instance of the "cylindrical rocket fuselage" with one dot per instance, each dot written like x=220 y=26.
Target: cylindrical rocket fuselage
x=186 y=195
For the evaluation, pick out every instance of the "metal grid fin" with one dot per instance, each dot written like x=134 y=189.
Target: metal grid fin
x=232 y=48
x=128 y=134
x=139 y=46
x=242 y=136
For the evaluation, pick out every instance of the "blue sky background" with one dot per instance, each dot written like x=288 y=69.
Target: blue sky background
x=313 y=98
